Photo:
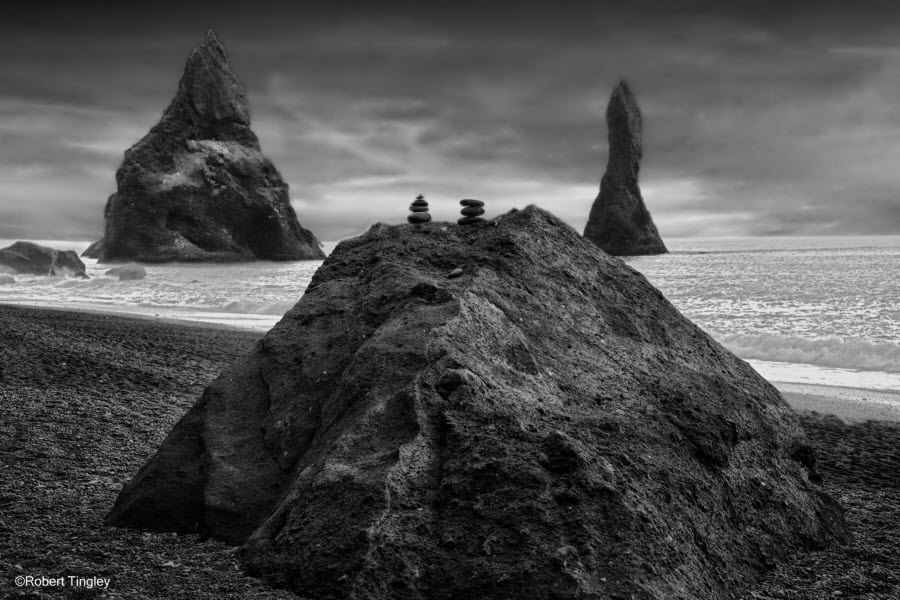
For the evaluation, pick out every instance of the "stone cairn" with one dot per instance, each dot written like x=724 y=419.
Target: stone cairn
x=472 y=211
x=418 y=211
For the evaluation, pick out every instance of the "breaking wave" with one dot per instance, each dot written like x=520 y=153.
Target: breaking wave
x=827 y=352
x=249 y=307
x=237 y=307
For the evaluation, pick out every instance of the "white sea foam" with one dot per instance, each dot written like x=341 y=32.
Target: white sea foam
x=254 y=294
x=257 y=308
x=813 y=310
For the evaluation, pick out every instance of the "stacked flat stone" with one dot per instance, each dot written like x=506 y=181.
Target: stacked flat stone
x=472 y=211
x=419 y=211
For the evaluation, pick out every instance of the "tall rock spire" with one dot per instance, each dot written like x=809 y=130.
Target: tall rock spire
x=619 y=221
x=197 y=187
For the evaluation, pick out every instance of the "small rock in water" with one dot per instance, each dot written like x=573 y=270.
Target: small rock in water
x=455 y=273
x=7 y=279
x=419 y=211
x=128 y=273
x=472 y=211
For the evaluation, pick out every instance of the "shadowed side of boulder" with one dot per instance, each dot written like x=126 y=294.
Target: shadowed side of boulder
x=161 y=506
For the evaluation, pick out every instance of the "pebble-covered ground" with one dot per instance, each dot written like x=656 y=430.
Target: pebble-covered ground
x=86 y=398
x=861 y=467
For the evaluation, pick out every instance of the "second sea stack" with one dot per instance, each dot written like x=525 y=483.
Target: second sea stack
x=197 y=187
x=619 y=221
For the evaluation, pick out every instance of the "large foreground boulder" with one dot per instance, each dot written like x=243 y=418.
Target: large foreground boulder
x=197 y=187
x=545 y=425
x=35 y=259
x=619 y=221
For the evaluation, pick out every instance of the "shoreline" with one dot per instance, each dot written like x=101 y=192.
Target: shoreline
x=853 y=405
x=216 y=319
x=850 y=404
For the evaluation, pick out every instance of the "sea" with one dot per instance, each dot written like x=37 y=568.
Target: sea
x=804 y=310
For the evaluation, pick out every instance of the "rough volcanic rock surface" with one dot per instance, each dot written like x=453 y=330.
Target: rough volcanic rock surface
x=197 y=187
x=619 y=221
x=34 y=259
x=545 y=425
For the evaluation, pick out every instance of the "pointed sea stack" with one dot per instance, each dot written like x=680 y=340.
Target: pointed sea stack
x=544 y=425
x=619 y=221
x=197 y=187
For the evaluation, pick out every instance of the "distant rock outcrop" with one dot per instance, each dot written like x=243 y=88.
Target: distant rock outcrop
x=95 y=250
x=619 y=221
x=544 y=425
x=197 y=187
x=6 y=279
x=34 y=259
x=128 y=272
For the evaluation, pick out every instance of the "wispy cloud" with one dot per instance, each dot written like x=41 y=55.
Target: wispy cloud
x=758 y=119
x=890 y=52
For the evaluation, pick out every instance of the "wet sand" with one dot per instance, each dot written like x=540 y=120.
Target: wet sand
x=850 y=404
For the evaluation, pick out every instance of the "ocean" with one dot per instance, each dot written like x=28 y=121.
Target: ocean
x=812 y=310
x=805 y=310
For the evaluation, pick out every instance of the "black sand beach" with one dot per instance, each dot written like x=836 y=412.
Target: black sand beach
x=85 y=398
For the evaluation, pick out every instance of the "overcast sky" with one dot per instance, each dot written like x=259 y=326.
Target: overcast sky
x=758 y=119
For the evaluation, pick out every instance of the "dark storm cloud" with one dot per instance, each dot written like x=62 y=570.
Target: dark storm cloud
x=760 y=118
